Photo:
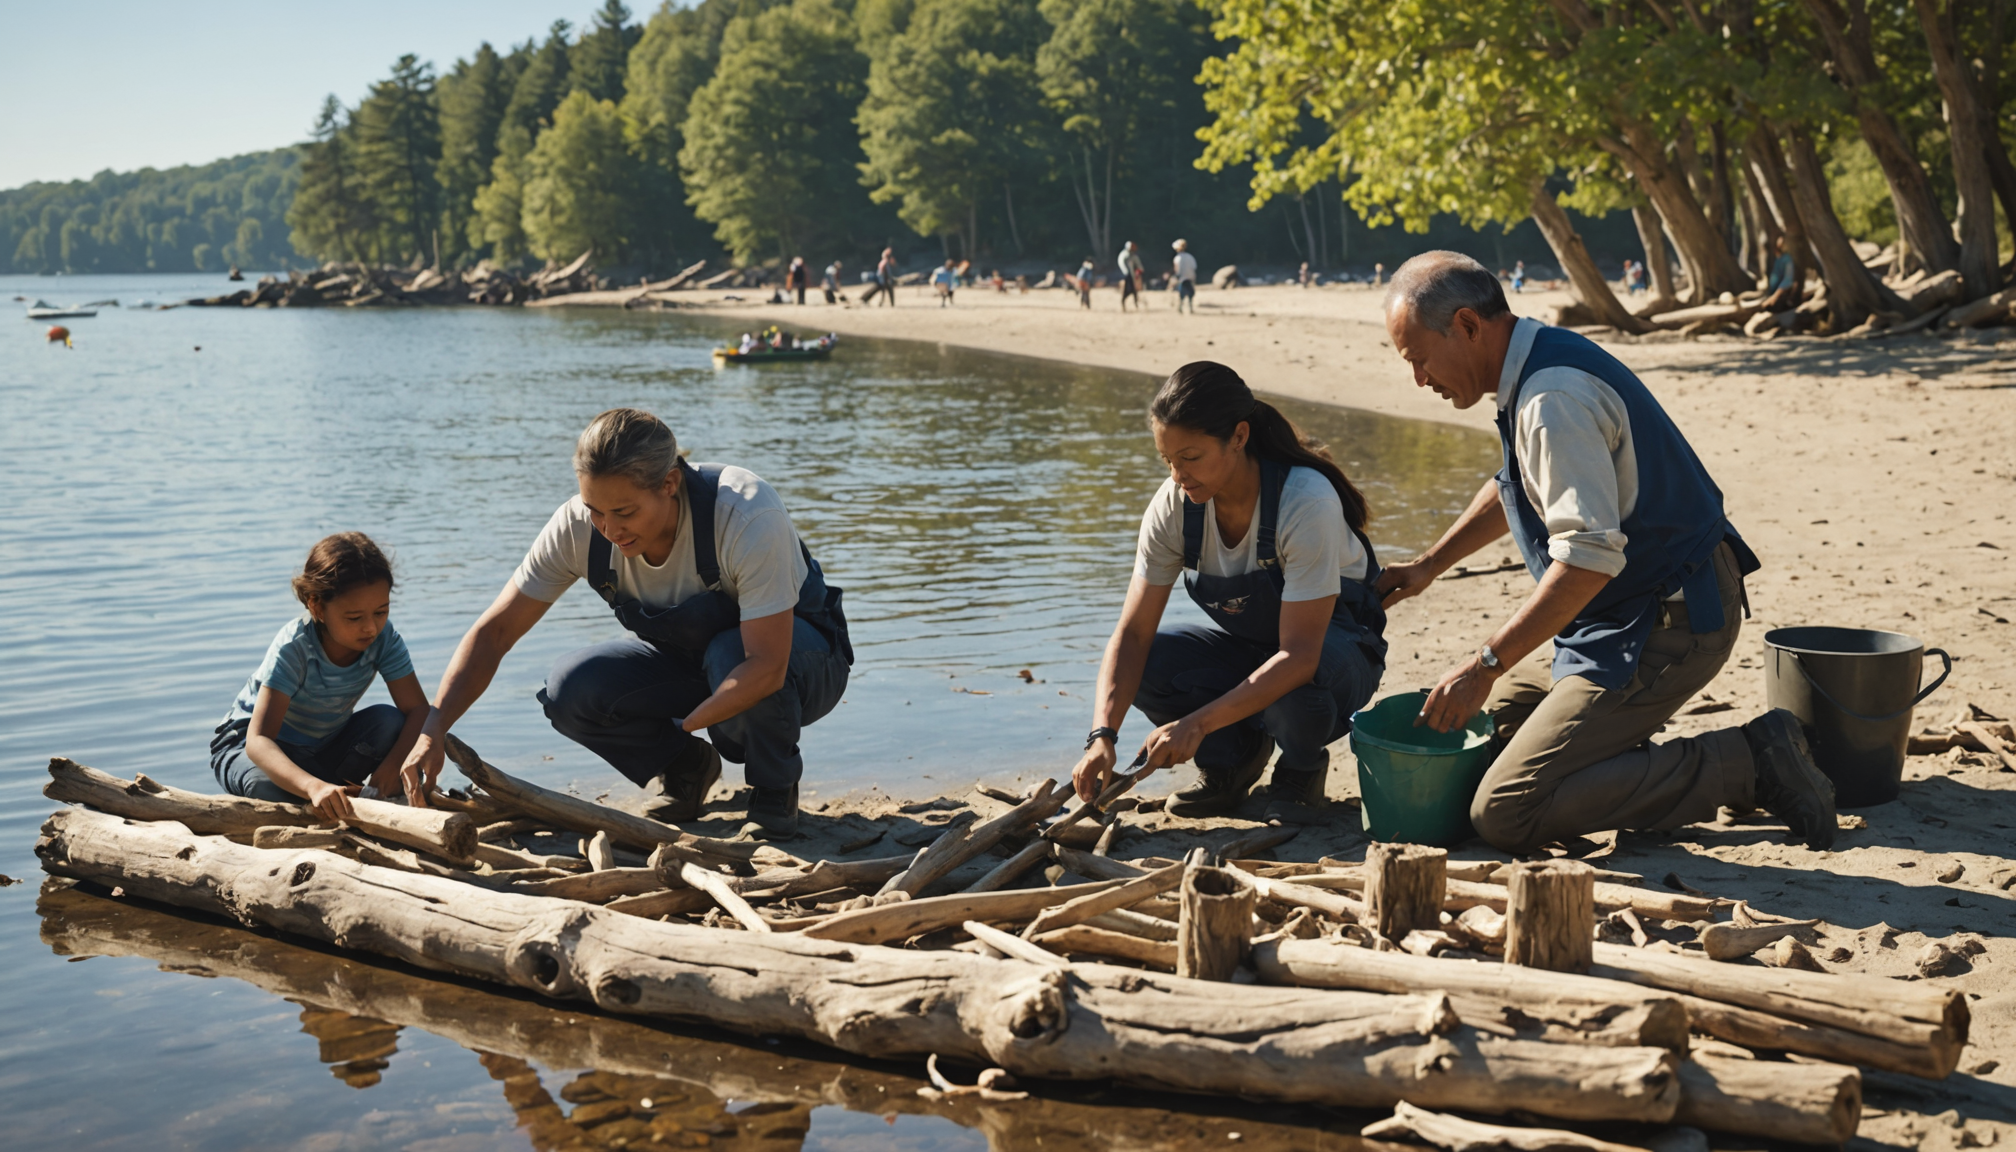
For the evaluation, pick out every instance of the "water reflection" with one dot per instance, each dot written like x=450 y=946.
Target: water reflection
x=574 y=1079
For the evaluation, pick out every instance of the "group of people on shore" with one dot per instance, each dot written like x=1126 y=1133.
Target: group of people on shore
x=728 y=626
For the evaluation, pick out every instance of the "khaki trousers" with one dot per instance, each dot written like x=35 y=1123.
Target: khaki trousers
x=1577 y=757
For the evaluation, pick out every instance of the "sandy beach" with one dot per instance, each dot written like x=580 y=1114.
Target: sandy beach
x=1876 y=480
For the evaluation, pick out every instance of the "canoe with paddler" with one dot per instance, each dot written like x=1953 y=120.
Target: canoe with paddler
x=772 y=344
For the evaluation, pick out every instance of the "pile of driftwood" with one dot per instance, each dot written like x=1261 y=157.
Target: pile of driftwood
x=1973 y=732
x=361 y=286
x=1546 y=988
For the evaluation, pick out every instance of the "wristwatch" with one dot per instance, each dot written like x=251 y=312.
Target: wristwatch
x=1489 y=659
x=1098 y=734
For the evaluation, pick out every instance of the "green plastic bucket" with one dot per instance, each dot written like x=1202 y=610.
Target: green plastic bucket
x=1416 y=783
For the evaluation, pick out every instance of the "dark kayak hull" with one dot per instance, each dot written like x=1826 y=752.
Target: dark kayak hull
x=730 y=356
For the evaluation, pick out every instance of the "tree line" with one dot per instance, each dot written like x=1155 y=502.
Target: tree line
x=191 y=219
x=1722 y=124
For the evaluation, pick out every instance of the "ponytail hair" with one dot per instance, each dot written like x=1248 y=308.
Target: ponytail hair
x=1208 y=397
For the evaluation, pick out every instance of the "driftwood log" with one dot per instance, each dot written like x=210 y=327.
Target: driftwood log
x=1077 y=1022
x=1459 y=1135
x=1801 y=1103
x=1920 y=1016
x=1405 y=885
x=449 y=834
x=559 y=810
x=1102 y=942
x=1216 y=928
x=1496 y=997
x=1733 y=941
x=1012 y=869
x=1465 y=894
x=1550 y=917
x=907 y=918
x=1082 y=908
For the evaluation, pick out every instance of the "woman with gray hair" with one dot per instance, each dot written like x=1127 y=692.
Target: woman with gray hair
x=729 y=626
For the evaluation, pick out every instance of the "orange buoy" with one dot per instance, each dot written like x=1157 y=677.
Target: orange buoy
x=59 y=332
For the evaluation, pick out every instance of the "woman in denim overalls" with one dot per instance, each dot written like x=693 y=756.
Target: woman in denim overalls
x=1270 y=537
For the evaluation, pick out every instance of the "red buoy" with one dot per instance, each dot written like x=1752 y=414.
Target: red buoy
x=59 y=332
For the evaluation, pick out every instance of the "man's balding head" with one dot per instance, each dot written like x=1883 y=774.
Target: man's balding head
x=1447 y=317
x=1434 y=286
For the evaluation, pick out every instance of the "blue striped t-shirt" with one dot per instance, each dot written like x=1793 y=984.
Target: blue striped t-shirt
x=321 y=694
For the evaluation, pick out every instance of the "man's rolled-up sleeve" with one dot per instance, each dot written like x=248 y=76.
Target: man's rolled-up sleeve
x=1567 y=455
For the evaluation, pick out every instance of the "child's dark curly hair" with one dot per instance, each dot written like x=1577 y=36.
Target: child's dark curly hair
x=339 y=563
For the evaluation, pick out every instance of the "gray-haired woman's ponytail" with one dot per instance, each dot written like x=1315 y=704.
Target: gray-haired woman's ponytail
x=1205 y=396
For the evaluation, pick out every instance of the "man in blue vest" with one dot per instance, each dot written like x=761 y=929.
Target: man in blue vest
x=1640 y=580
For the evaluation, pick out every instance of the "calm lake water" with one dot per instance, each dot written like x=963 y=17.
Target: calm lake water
x=162 y=482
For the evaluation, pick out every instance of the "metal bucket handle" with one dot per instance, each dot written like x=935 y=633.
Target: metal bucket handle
x=1919 y=699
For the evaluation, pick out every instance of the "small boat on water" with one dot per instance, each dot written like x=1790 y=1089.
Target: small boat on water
x=43 y=310
x=765 y=352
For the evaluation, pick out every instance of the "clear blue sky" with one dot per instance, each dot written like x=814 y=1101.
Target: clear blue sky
x=127 y=84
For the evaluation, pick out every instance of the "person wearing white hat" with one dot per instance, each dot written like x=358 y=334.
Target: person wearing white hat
x=1186 y=276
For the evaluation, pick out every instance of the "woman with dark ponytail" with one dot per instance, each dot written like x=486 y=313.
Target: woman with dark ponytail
x=1269 y=535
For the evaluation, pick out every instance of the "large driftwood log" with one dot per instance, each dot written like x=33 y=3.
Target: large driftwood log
x=1925 y=1016
x=1078 y=1022
x=1216 y=928
x=1550 y=919
x=1765 y=1032
x=577 y=815
x=934 y=862
x=1522 y=1001
x=449 y=834
x=1405 y=885
x=1801 y=1103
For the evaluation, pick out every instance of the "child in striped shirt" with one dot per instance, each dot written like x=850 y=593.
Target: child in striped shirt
x=295 y=731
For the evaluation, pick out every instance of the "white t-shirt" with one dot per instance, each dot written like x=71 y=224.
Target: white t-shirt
x=755 y=543
x=1315 y=546
x=1186 y=267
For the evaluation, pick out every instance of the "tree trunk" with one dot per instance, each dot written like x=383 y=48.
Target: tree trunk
x=1980 y=262
x=1652 y=235
x=1711 y=268
x=1014 y=230
x=1722 y=210
x=1528 y=1002
x=1767 y=171
x=1853 y=292
x=1550 y=919
x=1760 y=221
x=1071 y=1022
x=1584 y=279
x=1928 y=238
x=1215 y=930
x=1405 y=885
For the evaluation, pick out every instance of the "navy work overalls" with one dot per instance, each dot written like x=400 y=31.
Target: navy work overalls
x=1670 y=536
x=1189 y=665
x=623 y=699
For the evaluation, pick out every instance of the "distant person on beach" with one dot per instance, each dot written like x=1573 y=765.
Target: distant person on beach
x=729 y=625
x=1268 y=535
x=1782 y=291
x=1378 y=274
x=1302 y=275
x=885 y=279
x=1518 y=276
x=830 y=283
x=295 y=732
x=1083 y=282
x=1185 y=273
x=945 y=279
x=1129 y=262
x=1639 y=586
x=798 y=278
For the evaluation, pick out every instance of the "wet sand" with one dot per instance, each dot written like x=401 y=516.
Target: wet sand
x=1877 y=481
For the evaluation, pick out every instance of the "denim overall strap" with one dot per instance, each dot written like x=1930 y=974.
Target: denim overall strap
x=701 y=485
x=1273 y=477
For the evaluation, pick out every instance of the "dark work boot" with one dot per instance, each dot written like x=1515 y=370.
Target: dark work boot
x=1219 y=790
x=1789 y=785
x=773 y=813
x=1297 y=797
x=678 y=793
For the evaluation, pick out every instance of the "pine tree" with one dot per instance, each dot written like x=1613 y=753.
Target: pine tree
x=599 y=59
x=398 y=145
x=328 y=216
x=472 y=98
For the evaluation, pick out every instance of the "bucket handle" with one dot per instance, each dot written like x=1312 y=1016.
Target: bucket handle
x=1919 y=699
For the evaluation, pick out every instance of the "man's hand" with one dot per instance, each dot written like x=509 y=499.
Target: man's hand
x=1094 y=771
x=1458 y=697
x=332 y=801
x=1398 y=582
x=421 y=769
x=1173 y=743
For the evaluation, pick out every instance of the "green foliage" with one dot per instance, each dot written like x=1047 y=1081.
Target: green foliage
x=154 y=220
x=472 y=98
x=580 y=183
x=499 y=220
x=541 y=85
x=771 y=157
x=1861 y=197
x=397 y=138
x=329 y=215
x=600 y=59
x=954 y=112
